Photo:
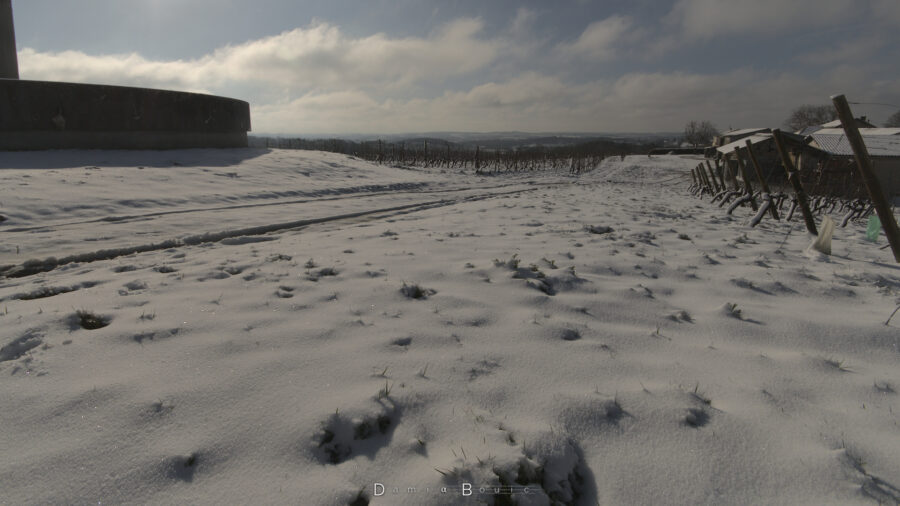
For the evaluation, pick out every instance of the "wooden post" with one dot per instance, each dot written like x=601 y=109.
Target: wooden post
x=701 y=182
x=864 y=163
x=715 y=180
x=747 y=186
x=762 y=180
x=694 y=177
x=794 y=178
x=705 y=178
x=719 y=182
x=731 y=176
x=713 y=175
x=723 y=170
x=712 y=178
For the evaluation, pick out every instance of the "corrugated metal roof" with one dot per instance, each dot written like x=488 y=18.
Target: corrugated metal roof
x=861 y=123
x=863 y=131
x=744 y=131
x=877 y=145
x=728 y=148
x=809 y=130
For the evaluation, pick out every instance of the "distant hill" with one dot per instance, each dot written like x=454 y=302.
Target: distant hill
x=493 y=140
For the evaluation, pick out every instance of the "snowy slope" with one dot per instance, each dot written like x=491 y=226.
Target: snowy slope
x=605 y=338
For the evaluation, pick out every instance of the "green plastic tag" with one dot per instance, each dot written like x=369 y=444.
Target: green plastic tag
x=873 y=228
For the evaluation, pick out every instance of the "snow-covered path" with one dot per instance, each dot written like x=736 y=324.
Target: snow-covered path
x=81 y=211
x=605 y=338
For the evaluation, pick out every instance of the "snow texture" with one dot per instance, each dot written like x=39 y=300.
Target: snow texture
x=290 y=327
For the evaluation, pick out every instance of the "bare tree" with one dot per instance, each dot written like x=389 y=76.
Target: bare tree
x=809 y=115
x=893 y=121
x=699 y=133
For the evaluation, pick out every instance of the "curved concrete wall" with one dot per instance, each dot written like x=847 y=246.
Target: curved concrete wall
x=9 y=65
x=53 y=115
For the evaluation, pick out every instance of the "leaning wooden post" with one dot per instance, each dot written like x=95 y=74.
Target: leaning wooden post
x=864 y=163
x=727 y=168
x=794 y=178
x=719 y=182
x=759 y=175
x=747 y=186
x=720 y=174
x=719 y=170
x=694 y=177
x=712 y=177
x=705 y=177
x=700 y=177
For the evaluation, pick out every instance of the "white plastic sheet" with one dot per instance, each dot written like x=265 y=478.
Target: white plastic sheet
x=823 y=242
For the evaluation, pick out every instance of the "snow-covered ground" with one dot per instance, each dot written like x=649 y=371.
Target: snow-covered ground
x=307 y=328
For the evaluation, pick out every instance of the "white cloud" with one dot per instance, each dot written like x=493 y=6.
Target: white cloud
x=318 y=79
x=742 y=97
x=124 y=69
x=522 y=91
x=848 y=50
x=523 y=22
x=706 y=19
x=318 y=57
x=600 y=40
x=887 y=11
x=637 y=101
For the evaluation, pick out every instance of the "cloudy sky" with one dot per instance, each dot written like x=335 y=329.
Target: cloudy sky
x=380 y=66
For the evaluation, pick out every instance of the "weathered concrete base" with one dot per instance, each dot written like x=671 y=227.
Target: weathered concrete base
x=39 y=140
x=52 y=115
x=9 y=64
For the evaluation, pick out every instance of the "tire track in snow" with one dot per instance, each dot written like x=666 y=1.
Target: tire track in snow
x=381 y=190
x=36 y=266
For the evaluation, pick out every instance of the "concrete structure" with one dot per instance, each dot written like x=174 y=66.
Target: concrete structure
x=9 y=64
x=50 y=115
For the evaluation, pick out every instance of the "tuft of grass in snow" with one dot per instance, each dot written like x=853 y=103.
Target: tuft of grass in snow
x=884 y=387
x=700 y=396
x=321 y=273
x=732 y=310
x=91 y=321
x=512 y=263
x=840 y=365
x=416 y=292
x=386 y=391
x=696 y=418
x=598 y=229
